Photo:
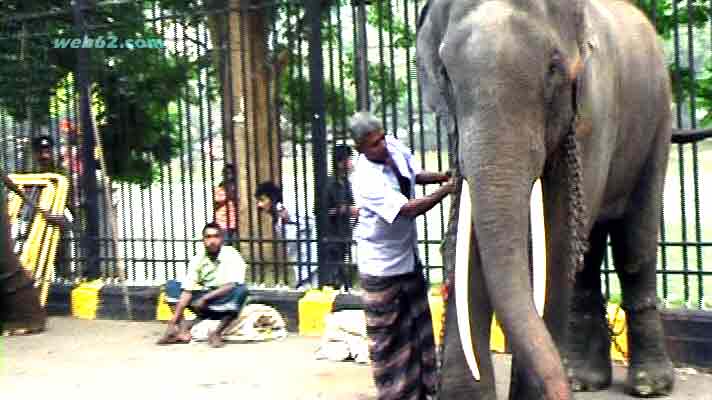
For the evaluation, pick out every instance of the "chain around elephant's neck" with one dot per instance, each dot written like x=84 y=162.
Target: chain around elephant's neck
x=576 y=205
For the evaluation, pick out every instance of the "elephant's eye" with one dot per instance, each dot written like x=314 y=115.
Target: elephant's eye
x=554 y=77
x=555 y=64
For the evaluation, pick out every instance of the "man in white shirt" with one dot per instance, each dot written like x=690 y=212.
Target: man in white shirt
x=213 y=288
x=398 y=320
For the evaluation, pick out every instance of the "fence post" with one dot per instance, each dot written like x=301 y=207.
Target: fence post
x=362 y=95
x=318 y=123
x=89 y=186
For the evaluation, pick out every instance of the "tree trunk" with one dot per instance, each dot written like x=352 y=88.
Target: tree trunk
x=20 y=310
x=248 y=84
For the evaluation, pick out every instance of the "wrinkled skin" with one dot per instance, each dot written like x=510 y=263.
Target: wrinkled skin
x=510 y=76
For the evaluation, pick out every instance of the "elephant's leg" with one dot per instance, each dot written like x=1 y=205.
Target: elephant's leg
x=587 y=355
x=635 y=243
x=558 y=286
x=456 y=381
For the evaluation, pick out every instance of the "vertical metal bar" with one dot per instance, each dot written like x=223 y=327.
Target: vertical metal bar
x=92 y=270
x=267 y=87
x=205 y=92
x=6 y=142
x=362 y=92
x=295 y=78
x=663 y=246
x=165 y=169
x=342 y=122
x=695 y=158
x=206 y=166
x=392 y=78
x=189 y=130
x=663 y=253
x=276 y=92
x=381 y=69
x=181 y=157
x=654 y=14
x=681 y=154
x=316 y=70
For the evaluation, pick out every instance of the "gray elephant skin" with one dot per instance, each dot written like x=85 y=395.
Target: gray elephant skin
x=517 y=79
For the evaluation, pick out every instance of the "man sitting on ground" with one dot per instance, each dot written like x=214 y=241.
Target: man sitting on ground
x=214 y=288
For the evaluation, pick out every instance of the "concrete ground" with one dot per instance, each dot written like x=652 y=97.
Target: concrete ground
x=81 y=359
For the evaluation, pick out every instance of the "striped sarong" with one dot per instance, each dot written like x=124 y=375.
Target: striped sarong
x=400 y=336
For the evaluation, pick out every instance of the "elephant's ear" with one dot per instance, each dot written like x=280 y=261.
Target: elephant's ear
x=432 y=76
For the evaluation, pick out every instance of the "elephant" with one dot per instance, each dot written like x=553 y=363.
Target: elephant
x=576 y=94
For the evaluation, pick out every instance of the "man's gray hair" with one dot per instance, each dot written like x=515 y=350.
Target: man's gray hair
x=362 y=123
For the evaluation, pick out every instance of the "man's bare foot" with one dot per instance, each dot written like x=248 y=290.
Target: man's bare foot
x=215 y=340
x=174 y=336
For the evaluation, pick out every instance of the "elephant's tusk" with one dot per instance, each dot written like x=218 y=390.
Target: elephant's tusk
x=536 y=207
x=462 y=283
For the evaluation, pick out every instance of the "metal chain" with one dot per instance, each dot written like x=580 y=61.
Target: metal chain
x=610 y=327
x=445 y=293
x=577 y=206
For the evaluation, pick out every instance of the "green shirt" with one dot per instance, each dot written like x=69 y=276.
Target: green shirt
x=207 y=273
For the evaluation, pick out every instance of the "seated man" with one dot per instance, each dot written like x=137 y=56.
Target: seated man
x=213 y=288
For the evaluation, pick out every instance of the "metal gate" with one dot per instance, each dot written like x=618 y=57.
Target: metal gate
x=189 y=94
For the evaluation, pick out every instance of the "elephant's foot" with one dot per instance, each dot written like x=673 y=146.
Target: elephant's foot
x=650 y=373
x=650 y=380
x=463 y=387
x=588 y=358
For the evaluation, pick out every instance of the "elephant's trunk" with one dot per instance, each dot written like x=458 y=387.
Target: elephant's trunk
x=501 y=183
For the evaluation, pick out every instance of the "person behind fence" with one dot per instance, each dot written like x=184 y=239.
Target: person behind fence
x=213 y=288
x=300 y=246
x=395 y=293
x=341 y=212
x=225 y=205
x=45 y=162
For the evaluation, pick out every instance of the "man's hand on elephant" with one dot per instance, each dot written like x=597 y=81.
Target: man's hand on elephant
x=450 y=186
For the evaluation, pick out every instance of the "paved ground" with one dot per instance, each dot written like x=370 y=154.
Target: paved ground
x=80 y=359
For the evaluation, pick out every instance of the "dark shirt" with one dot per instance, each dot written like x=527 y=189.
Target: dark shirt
x=338 y=194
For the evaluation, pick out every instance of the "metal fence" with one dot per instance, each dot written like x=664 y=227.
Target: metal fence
x=189 y=94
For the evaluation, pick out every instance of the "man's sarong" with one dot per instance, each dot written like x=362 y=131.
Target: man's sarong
x=400 y=333
x=231 y=302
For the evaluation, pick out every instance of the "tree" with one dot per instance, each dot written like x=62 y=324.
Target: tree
x=133 y=88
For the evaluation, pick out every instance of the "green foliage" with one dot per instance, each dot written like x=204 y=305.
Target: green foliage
x=385 y=86
x=674 y=22
x=667 y=16
x=384 y=90
x=296 y=104
x=133 y=88
x=382 y=16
